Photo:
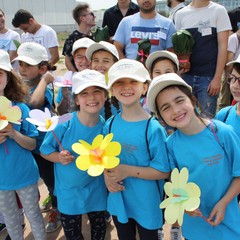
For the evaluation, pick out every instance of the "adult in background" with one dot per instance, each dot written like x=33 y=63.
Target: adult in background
x=209 y=24
x=174 y=6
x=7 y=37
x=145 y=24
x=113 y=15
x=85 y=20
x=36 y=32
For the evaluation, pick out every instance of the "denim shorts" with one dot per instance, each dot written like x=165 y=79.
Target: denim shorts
x=199 y=86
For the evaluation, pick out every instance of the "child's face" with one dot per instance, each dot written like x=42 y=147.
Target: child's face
x=175 y=107
x=91 y=100
x=80 y=59
x=3 y=81
x=161 y=67
x=28 y=72
x=128 y=91
x=235 y=85
x=102 y=61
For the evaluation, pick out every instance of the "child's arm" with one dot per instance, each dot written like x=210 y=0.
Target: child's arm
x=37 y=99
x=22 y=140
x=63 y=157
x=123 y=171
x=218 y=212
x=63 y=106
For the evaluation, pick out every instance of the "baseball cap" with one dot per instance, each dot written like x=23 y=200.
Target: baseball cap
x=127 y=68
x=82 y=43
x=87 y=78
x=32 y=53
x=161 y=82
x=101 y=45
x=235 y=61
x=5 y=63
x=166 y=54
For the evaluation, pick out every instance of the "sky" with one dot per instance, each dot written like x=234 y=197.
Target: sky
x=101 y=4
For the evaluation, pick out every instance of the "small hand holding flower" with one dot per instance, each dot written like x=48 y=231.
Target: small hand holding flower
x=65 y=157
x=182 y=196
x=98 y=156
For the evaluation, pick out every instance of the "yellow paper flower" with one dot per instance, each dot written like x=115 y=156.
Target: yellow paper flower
x=98 y=156
x=182 y=196
x=8 y=113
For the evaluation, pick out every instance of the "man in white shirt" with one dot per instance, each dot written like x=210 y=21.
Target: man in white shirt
x=174 y=6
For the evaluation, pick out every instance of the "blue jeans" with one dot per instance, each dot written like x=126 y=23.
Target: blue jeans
x=199 y=86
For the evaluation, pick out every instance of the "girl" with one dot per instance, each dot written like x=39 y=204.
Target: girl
x=77 y=192
x=210 y=150
x=33 y=68
x=161 y=62
x=135 y=196
x=18 y=171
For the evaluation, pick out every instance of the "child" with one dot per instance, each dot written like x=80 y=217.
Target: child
x=18 y=172
x=161 y=62
x=135 y=196
x=33 y=68
x=64 y=97
x=77 y=192
x=210 y=150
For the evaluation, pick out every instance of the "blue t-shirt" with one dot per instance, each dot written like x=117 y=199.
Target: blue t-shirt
x=212 y=162
x=232 y=118
x=76 y=191
x=18 y=168
x=48 y=104
x=134 y=28
x=141 y=198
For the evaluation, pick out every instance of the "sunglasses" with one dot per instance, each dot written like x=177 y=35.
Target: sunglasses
x=91 y=13
x=232 y=79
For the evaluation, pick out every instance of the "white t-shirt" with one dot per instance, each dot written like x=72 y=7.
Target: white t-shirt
x=234 y=45
x=45 y=36
x=7 y=40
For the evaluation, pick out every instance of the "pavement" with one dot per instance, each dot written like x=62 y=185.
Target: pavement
x=59 y=234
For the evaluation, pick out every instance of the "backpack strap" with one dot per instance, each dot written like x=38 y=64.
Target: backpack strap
x=227 y=113
x=146 y=135
x=110 y=124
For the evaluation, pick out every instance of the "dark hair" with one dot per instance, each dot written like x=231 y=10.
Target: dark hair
x=21 y=17
x=161 y=59
x=49 y=67
x=78 y=11
x=236 y=66
x=188 y=93
x=15 y=90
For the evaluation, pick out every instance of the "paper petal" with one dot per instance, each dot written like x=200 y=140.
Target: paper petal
x=80 y=149
x=110 y=162
x=107 y=139
x=113 y=149
x=171 y=213
x=64 y=118
x=4 y=104
x=192 y=204
x=83 y=162
x=95 y=170
x=3 y=124
x=97 y=141
x=13 y=114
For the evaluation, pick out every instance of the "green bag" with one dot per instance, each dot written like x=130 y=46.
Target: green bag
x=101 y=34
x=144 y=47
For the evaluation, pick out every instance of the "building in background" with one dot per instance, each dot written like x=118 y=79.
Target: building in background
x=58 y=13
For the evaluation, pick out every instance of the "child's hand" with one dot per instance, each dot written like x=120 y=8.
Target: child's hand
x=118 y=173
x=48 y=77
x=217 y=214
x=65 y=157
x=8 y=131
x=195 y=213
x=66 y=93
x=111 y=184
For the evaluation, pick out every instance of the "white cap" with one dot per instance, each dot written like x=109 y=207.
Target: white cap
x=127 y=68
x=161 y=82
x=235 y=61
x=82 y=43
x=164 y=53
x=5 y=63
x=101 y=45
x=32 y=53
x=87 y=78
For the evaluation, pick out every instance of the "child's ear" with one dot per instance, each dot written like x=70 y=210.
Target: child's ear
x=42 y=69
x=145 y=88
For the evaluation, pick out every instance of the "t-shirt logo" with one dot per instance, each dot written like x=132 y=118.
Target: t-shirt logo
x=152 y=33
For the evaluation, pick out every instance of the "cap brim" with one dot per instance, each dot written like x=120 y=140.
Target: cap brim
x=157 y=87
x=130 y=76
x=153 y=56
x=86 y=85
x=28 y=60
x=8 y=69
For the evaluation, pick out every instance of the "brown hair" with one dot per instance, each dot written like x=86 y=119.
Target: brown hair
x=78 y=12
x=15 y=90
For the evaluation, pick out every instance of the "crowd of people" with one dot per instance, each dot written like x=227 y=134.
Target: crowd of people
x=164 y=116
